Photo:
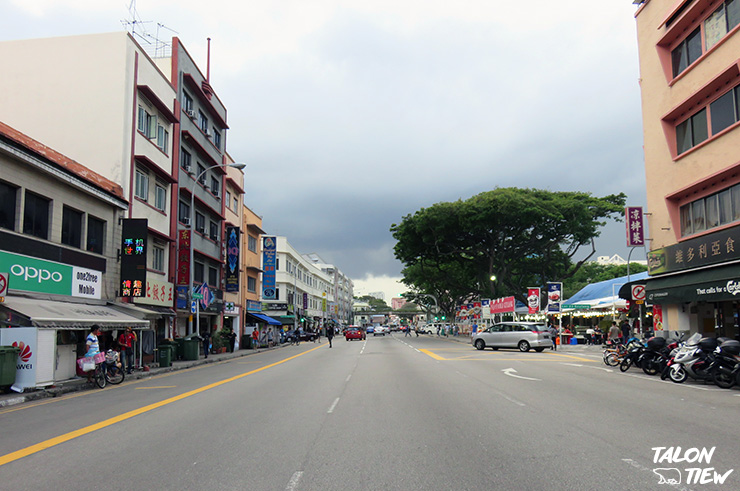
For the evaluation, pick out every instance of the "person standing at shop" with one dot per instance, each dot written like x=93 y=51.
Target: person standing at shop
x=126 y=341
x=206 y=339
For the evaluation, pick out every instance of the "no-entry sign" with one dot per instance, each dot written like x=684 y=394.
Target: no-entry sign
x=3 y=284
x=638 y=292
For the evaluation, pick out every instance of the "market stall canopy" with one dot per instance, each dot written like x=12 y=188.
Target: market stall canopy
x=604 y=294
x=264 y=318
x=66 y=315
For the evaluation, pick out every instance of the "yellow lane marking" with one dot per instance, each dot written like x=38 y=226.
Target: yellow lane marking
x=429 y=353
x=19 y=454
x=159 y=387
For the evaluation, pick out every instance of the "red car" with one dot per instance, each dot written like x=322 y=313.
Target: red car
x=354 y=333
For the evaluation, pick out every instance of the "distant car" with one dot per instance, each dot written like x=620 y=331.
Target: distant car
x=380 y=330
x=354 y=333
x=370 y=329
x=520 y=335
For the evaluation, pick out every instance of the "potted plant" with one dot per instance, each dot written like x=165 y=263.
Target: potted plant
x=217 y=343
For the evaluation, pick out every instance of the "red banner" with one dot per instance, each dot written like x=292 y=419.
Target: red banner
x=183 y=257
x=533 y=300
x=503 y=305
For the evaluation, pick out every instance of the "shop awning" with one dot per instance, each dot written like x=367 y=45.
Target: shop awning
x=604 y=294
x=264 y=318
x=146 y=312
x=67 y=315
x=705 y=285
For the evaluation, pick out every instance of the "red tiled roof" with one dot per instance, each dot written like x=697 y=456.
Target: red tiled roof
x=66 y=163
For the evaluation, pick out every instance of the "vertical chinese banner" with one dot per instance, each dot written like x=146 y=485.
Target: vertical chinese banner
x=133 y=257
x=533 y=300
x=232 y=259
x=635 y=231
x=183 y=257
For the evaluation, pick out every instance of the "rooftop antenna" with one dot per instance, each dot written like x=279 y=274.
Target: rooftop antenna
x=137 y=27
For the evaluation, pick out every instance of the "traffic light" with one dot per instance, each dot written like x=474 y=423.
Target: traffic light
x=443 y=317
x=436 y=318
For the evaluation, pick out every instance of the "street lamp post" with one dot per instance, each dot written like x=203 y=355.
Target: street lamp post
x=236 y=165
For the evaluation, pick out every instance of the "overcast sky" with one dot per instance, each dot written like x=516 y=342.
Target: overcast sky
x=353 y=114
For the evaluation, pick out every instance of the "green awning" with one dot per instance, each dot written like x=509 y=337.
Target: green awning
x=706 y=285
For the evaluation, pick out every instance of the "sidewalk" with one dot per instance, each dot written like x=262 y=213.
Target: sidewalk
x=80 y=383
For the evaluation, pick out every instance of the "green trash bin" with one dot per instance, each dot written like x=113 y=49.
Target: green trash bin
x=190 y=348
x=246 y=342
x=179 y=349
x=8 y=362
x=174 y=346
x=165 y=355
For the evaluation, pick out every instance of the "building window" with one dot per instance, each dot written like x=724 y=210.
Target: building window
x=8 y=204
x=158 y=258
x=252 y=243
x=712 y=211
x=203 y=122
x=147 y=123
x=160 y=197
x=198 y=272
x=95 y=235
x=692 y=131
x=687 y=52
x=201 y=173
x=213 y=277
x=185 y=159
x=183 y=213
x=215 y=186
x=216 y=138
x=36 y=216
x=722 y=21
x=251 y=284
x=141 y=189
x=200 y=223
x=163 y=139
x=188 y=101
x=213 y=232
x=71 y=227
x=236 y=204
x=228 y=200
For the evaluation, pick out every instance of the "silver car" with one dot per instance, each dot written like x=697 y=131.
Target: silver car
x=521 y=335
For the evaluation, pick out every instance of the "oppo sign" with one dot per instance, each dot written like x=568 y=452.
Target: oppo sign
x=37 y=275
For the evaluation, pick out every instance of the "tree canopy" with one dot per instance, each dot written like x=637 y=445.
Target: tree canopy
x=523 y=237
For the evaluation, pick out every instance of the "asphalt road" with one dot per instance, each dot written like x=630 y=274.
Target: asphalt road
x=389 y=413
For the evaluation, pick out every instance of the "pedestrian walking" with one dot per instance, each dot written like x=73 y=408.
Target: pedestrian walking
x=255 y=338
x=625 y=330
x=330 y=334
x=408 y=331
x=205 y=338
x=613 y=332
x=126 y=341
x=554 y=336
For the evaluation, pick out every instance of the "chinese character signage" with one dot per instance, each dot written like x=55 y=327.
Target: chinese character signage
x=708 y=249
x=635 y=231
x=554 y=297
x=533 y=300
x=133 y=257
x=232 y=259
x=183 y=257
x=158 y=292
x=269 y=261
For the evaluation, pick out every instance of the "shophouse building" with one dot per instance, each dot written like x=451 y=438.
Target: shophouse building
x=233 y=243
x=690 y=82
x=294 y=290
x=201 y=175
x=60 y=235
x=340 y=310
x=101 y=100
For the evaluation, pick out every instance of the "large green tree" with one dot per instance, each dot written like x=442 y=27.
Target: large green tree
x=523 y=237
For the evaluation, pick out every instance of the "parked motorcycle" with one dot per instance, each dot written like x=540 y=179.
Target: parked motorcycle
x=655 y=356
x=693 y=360
x=635 y=348
x=725 y=368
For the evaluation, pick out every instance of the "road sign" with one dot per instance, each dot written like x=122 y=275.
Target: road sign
x=576 y=306
x=193 y=307
x=638 y=292
x=198 y=296
x=3 y=284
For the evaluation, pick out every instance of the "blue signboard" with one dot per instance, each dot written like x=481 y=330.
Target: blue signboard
x=554 y=297
x=269 y=262
x=231 y=279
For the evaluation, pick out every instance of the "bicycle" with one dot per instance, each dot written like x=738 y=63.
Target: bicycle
x=614 y=354
x=114 y=374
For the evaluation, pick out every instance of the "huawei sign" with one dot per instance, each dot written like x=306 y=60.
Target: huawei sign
x=25 y=353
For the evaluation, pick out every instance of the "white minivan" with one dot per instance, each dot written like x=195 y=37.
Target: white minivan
x=521 y=335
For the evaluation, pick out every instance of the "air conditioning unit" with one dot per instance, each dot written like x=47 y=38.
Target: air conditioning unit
x=190 y=113
x=214 y=237
x=187 y=168
x=186 y=221
x=200 y=230
x=208 y=133
x=215 y=193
